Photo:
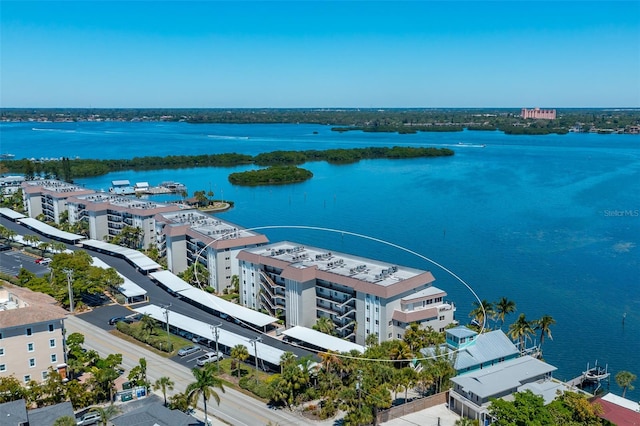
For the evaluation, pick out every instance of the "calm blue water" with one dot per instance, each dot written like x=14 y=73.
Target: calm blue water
x=537 y=219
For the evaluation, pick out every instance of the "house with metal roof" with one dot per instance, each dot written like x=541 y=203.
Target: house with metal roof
x=472 y=392
x=476 y=351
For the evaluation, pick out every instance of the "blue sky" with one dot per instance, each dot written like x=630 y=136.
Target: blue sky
x=320 y=54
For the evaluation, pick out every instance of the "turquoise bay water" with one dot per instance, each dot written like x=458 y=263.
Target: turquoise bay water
x=549 y=221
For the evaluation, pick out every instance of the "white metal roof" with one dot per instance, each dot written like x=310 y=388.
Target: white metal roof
x=203 y=329
x=50 y=231
x=170 y=281
x=247 y=315
x=236 y=311
x=321 y=340
x=140 y=260
x=128 y=287
x=503 y=376
x=10 y=214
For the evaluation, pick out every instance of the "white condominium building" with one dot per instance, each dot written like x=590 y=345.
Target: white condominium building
x=190 y=236
x=49 y=197
x=361 y=296
x=108 y=213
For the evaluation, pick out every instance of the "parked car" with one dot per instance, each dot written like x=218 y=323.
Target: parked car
x=208 y=357
x=188 y=350
x=90 y=418
x=115 y=320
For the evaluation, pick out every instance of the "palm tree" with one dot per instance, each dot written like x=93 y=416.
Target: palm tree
x=286 y=359
x=325 y=325
x=482 y=311
x=239 y=353
x=544 y=325
x=520 y=330
x=503 y=308
x=204 y=386
x=329 y=359
x=148 y=324
x=624 y=379
x=165 y=384
x=106 y=413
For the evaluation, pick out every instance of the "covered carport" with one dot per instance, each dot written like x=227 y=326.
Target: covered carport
x=139 y=260
x=267 y=355
x=50 y=232
x=316 y=340
x=131 y=291
x=214 y=304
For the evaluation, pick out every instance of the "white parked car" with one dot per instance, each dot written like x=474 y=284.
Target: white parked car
x=89 y=418
x=209 y=357
x=188 y=350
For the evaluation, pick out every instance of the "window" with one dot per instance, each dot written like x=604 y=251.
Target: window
x=399 y=336
x=29 y=331
x=1 y=351
x=32 y=362
x=45 y=374
x=27 y=378
x=52 y=343
x=0 y=336
x=390 y=335
x=367 y=319
x=377 y=322
x=367 y=331
x=54 y=358
x=442 y=318
x=3 y=368
x=50 y=328
x=30 y=347
x=390 y=323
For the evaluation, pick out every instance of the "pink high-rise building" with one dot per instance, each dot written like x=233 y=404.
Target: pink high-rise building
x=547 y=114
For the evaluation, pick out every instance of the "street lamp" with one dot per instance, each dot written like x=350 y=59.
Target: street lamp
x=254 y=342
x=166 y=316
x=215 y=330
x=69 y=273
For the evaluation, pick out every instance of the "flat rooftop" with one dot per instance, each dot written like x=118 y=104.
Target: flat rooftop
x=121 y=201
x=55 y=185
x=360 y=268
x=207 y=225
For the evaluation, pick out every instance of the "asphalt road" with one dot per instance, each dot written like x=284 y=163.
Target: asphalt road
x=235 y=408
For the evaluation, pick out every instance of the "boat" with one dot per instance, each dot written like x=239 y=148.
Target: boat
x=7 y=156
x=176 y=187
x=595 y=373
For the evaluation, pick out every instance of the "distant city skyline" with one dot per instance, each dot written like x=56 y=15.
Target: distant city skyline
x=307 y=54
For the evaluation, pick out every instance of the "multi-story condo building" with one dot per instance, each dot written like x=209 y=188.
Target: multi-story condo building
x=49 y=197
x=361 y=296
x=32 y=336
x=10 y=184
x=107 y=214
x=537 y=113
x=190 y=236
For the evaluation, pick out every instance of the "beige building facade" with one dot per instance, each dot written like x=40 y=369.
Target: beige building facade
x=361 y=296
x=32 y=336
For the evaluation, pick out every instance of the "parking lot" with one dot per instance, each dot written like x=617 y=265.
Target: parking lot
x=12 y=260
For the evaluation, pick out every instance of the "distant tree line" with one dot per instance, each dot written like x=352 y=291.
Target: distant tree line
x=370 y=118
x=68 y=169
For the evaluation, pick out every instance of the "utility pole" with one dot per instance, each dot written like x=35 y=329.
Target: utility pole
x=69 y=273
x=215 y=330
x=166 y=316
x=255 y=349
